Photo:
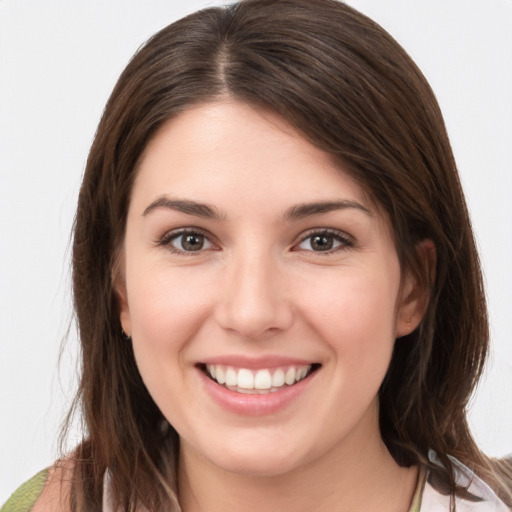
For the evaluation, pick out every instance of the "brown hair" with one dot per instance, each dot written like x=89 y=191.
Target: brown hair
x=352 y=91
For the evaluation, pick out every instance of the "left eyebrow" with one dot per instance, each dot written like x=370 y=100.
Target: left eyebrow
x=185 y=206
x=300 y=211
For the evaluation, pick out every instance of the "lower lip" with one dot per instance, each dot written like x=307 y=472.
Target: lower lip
x=255 y=404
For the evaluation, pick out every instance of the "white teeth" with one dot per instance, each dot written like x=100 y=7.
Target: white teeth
x=278 y=378
x=257 y=381
x=290 y=376
x=245 y=379
x=301 y=373
x=231 y=377
x=263 y=380
x=220 y=376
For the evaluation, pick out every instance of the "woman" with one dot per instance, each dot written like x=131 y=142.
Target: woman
x=276 y=284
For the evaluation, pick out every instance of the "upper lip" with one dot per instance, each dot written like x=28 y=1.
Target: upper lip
x=269 y=361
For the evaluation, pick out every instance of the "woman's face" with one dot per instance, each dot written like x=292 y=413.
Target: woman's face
x=262 y=291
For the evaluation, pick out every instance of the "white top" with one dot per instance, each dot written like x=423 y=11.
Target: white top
x=484 y=499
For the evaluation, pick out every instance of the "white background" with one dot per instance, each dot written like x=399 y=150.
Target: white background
x=58 y=63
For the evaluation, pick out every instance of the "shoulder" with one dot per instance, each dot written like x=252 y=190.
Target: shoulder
x=26 y=495
x=479 y=497
x=48 y=490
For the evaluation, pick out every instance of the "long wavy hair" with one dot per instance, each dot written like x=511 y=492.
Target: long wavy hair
x=352 y=91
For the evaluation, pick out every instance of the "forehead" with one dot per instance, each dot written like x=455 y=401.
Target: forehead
x=240 y=150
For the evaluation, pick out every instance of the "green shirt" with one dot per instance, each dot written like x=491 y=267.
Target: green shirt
x=25 y=496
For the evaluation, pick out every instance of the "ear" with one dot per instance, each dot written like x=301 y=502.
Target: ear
x=124 y=310
x=415 y=292
x=119 y=286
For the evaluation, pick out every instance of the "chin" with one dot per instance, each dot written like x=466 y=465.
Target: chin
x=257 y=465
x=262 y=459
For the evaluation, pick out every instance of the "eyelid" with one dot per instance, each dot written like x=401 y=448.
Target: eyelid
x=168 y=237
x=165 y=240
x=347 y=241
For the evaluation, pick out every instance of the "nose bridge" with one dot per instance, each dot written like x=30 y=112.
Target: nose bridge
x=253 y=302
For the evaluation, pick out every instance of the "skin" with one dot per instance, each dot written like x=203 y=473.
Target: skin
x=259 y=287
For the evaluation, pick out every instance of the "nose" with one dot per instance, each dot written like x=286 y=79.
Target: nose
x=254 y=301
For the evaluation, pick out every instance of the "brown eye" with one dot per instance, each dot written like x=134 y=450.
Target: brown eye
x=324 y=241
x=187 y=242
x=192 y=242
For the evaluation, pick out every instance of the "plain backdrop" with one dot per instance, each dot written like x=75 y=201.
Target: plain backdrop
x=58 y=63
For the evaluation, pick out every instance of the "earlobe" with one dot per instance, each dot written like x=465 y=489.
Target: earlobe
x=124 y=310
x=119 y=287
x=416 y=290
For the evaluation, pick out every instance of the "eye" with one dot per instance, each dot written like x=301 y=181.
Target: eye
x=324 y=241
x=186 y=241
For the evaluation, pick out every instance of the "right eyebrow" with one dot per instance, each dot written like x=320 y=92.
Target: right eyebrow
x=185 y=206
x=308 y=209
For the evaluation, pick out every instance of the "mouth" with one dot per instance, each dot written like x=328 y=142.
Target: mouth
x=258 y=381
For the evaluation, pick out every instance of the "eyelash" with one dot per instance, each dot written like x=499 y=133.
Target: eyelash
x=167 y=239
x=345 y=242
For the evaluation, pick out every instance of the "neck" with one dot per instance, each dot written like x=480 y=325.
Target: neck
x=359 y=480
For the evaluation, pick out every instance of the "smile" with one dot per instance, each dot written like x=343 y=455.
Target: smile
x=261 y=381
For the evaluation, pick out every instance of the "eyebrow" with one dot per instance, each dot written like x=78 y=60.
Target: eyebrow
x=296 y=212
x=305 y=210
x=185 y=206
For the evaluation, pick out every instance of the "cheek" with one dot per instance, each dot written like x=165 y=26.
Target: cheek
x=360 y=303
x=354 y=314
x=166 y=312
